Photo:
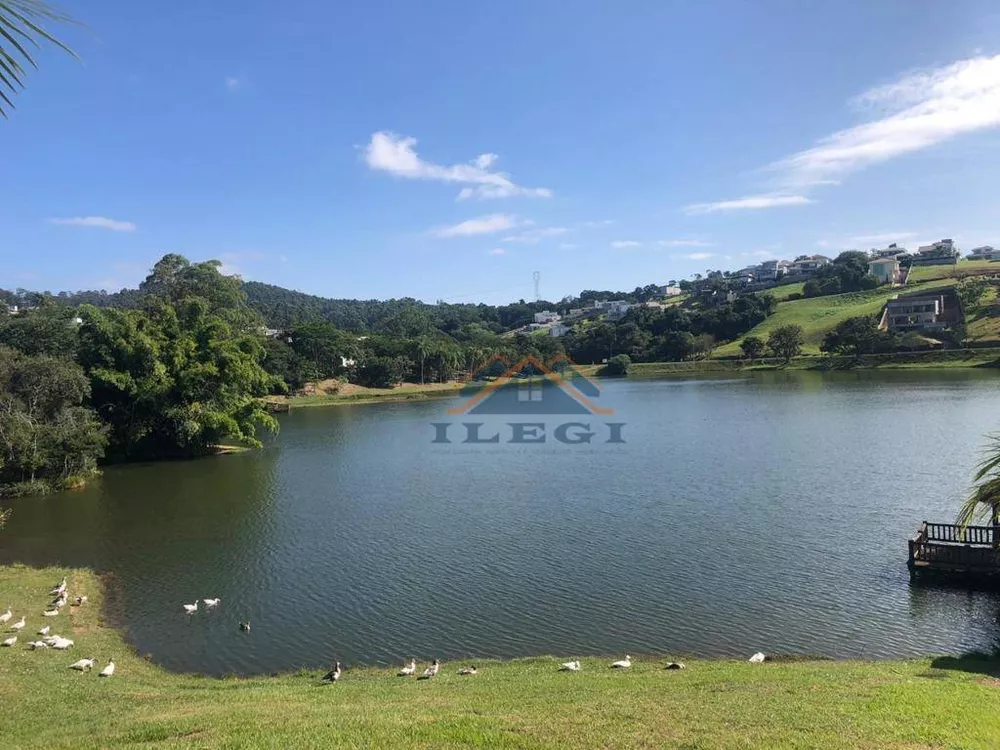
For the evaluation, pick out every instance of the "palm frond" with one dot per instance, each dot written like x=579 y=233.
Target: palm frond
x=984 y=501
x=20 y=30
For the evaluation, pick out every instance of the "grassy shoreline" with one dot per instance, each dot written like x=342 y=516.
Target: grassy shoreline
x=525 y=703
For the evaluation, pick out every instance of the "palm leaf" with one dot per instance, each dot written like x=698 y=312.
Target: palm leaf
x=20 y=30
x=984 y=501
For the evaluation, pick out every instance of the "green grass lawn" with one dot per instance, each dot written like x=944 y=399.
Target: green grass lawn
x=963 y=268
x=518 y=704
x=782 y=292
x=818 y=315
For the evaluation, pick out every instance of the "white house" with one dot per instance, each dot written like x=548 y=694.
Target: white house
x=546 y=316
x=986 y=252
x=559 y=329
x=886 y=270
x=808 y=264
x=670 y=291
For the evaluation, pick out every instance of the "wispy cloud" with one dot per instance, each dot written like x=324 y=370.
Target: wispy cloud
x=233 y=83
x=480 y=225
x=600 y=223
x=625 y=244
x=532 y=236
x=100 y=222
x=697 y=256
x=918 y=111
x=685 y=243
x=497 y=251
x=749 y=202
x=395 y=154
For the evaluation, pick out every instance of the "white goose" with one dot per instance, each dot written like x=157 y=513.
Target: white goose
x=18 y=625
x=83 y=665
x=50 y=613
x=108 y=670
x=60 y=602
x=35 y=645
x=44 y=631
x=431 y=670
x=408 y=669
x=468 y=671
x=757 y=658
x=62 y=644
x=58 y=590
x=51 y=639
x=10 y=641
x=212 y=602
x=623 y=664
x=5 y=617
x=570 y=666
x=191 y=608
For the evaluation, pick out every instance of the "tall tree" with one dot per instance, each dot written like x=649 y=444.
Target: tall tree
x=21 y=31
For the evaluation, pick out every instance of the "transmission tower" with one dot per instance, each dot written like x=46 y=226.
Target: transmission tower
x=537 y=275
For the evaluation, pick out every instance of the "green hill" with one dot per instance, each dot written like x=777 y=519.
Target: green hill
x=817 y=315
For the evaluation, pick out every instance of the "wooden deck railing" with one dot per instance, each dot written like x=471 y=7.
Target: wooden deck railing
x=947 y=546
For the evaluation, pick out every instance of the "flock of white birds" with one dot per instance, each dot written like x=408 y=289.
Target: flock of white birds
x=57 y=642
x=409 y=669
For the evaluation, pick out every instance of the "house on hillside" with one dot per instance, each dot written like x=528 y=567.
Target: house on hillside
x=559 y=329
x=546 y=316
x=669 y=291
x=767 y=271
x=938 y=253
x=924 y=311
x=986 y=252
x=893 y=251
x=885 y=270
x=805 y=265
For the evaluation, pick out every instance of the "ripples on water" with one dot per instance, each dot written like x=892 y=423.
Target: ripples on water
x=762 y=513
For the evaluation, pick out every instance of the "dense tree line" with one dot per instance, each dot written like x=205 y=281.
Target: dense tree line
x=847 y=273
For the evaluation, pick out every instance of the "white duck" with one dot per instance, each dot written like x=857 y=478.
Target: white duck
x=334 y=674
x=468 y=671
x=60 y=602
x=108 y=670
x=62 y=644
x=81 y=600
x=623 y=664
x=570 y=666
x=35 y=645
x=58 y=590
x=51 y=639
x=5 y=617
x=50 y=613
x=44 y=631
x=10 y=641
x=191 y=608
x=757 y=658
x=408 y=669
x=431 y=670
x=212 y=602
x=18 y=625
x=83 y=665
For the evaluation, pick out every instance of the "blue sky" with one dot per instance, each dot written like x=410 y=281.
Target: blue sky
x=448 y=150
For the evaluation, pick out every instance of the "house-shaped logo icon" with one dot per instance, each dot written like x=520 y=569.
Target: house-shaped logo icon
x=529 y=387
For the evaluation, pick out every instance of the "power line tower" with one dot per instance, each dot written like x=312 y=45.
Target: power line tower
x=537 y=275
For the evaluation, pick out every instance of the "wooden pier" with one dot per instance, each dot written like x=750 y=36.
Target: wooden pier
x=955 y=550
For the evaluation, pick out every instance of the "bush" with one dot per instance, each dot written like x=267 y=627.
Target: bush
x=786 y=341
x=617 y=366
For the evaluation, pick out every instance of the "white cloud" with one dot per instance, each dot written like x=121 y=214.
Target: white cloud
x=100 y=222
x=624 y=244
x=685 y=243
x=748 y=202
x=697 y=256
x=480 y=225
x=498 y=251
x=233 y=83
x=918 y=111
x=601 y=223
x=395 y=154
x=532 y=236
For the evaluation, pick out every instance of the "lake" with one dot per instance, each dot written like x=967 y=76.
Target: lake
x=761 y=512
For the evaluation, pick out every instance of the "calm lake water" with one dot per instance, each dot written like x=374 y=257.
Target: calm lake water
x=767 y=512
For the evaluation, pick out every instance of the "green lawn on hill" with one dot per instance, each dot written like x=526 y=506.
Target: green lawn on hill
x=963 y=268
x=818 y=315
x=519 y=704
